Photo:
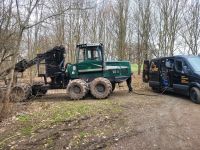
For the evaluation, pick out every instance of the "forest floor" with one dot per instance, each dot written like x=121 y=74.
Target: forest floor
x=123 y=121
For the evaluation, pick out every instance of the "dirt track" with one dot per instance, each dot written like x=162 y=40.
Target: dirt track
x=149 y=122
x=172 y=124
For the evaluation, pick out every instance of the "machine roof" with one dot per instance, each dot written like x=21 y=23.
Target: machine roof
x=177 y=56
x=89 y=45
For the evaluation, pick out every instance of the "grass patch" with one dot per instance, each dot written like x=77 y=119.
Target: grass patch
x=134 y=68
x=23 y=118
x=26 y=130
x=83 y=134
x=69 y=111
x=63 y=111
x=58 y=112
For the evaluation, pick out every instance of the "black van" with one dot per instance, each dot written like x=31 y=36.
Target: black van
x=179 y=74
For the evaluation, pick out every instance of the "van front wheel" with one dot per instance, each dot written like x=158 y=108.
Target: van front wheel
x=195 y=95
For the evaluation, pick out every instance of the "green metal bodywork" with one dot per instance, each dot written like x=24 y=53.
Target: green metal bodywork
x=115 y=71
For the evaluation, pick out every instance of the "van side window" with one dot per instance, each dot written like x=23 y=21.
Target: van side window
x=154 y=66
x=179 y=66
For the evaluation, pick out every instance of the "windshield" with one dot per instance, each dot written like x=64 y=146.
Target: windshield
x=195 y=63
x=89 y=53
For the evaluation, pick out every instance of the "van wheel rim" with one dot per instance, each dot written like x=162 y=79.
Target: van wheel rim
x=194 y=95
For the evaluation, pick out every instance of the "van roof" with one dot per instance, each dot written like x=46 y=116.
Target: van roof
x=177 y=56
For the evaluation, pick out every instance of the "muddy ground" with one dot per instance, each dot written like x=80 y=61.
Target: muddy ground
x=123 y=121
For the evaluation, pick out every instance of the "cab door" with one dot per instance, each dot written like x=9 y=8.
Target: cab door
x=89 y=63
x=180 y=78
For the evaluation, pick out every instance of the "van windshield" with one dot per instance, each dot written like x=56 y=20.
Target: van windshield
x=195 y=63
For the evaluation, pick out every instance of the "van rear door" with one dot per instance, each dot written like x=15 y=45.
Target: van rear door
x=154 y=73
x=146 y=71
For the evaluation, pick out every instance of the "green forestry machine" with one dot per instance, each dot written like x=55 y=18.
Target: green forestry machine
x=91 y=73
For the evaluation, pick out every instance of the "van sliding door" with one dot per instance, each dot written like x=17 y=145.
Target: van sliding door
x=154 y=76
x=180 y=79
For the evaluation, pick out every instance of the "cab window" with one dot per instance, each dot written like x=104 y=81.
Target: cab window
x=93 y=54
x=90 y=53
x=179 y=65
x=81 y=55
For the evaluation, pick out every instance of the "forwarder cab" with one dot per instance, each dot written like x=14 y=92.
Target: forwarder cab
x=179 y=74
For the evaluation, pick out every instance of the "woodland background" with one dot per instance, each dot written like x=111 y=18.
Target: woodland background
x=131 y=30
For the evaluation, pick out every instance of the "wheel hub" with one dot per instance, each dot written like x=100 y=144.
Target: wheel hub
x=77 y=89
x=100 y=88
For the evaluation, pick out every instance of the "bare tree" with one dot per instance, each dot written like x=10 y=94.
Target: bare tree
x=191 y=29
x=122 y=19
x=21 y=25
x=7 y=31
x=143 y=27
x=170 y=24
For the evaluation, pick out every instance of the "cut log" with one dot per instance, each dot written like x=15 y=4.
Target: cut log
x=20 y=92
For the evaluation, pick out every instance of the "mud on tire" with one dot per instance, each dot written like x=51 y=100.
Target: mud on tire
x=77 y=89
x=20 y=92
x=100 y=88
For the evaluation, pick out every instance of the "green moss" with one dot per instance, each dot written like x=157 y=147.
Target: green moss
x=26 y=130
x=83 y=134
x=23 y=118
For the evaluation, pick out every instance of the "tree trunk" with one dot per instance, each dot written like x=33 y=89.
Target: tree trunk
x=139 y=68
x=6 y=102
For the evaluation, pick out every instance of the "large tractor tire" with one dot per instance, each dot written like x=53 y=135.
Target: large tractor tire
x=20 y=92
x=37 y=91
x=77 y=89
x=100 y=88
x=195 y=95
